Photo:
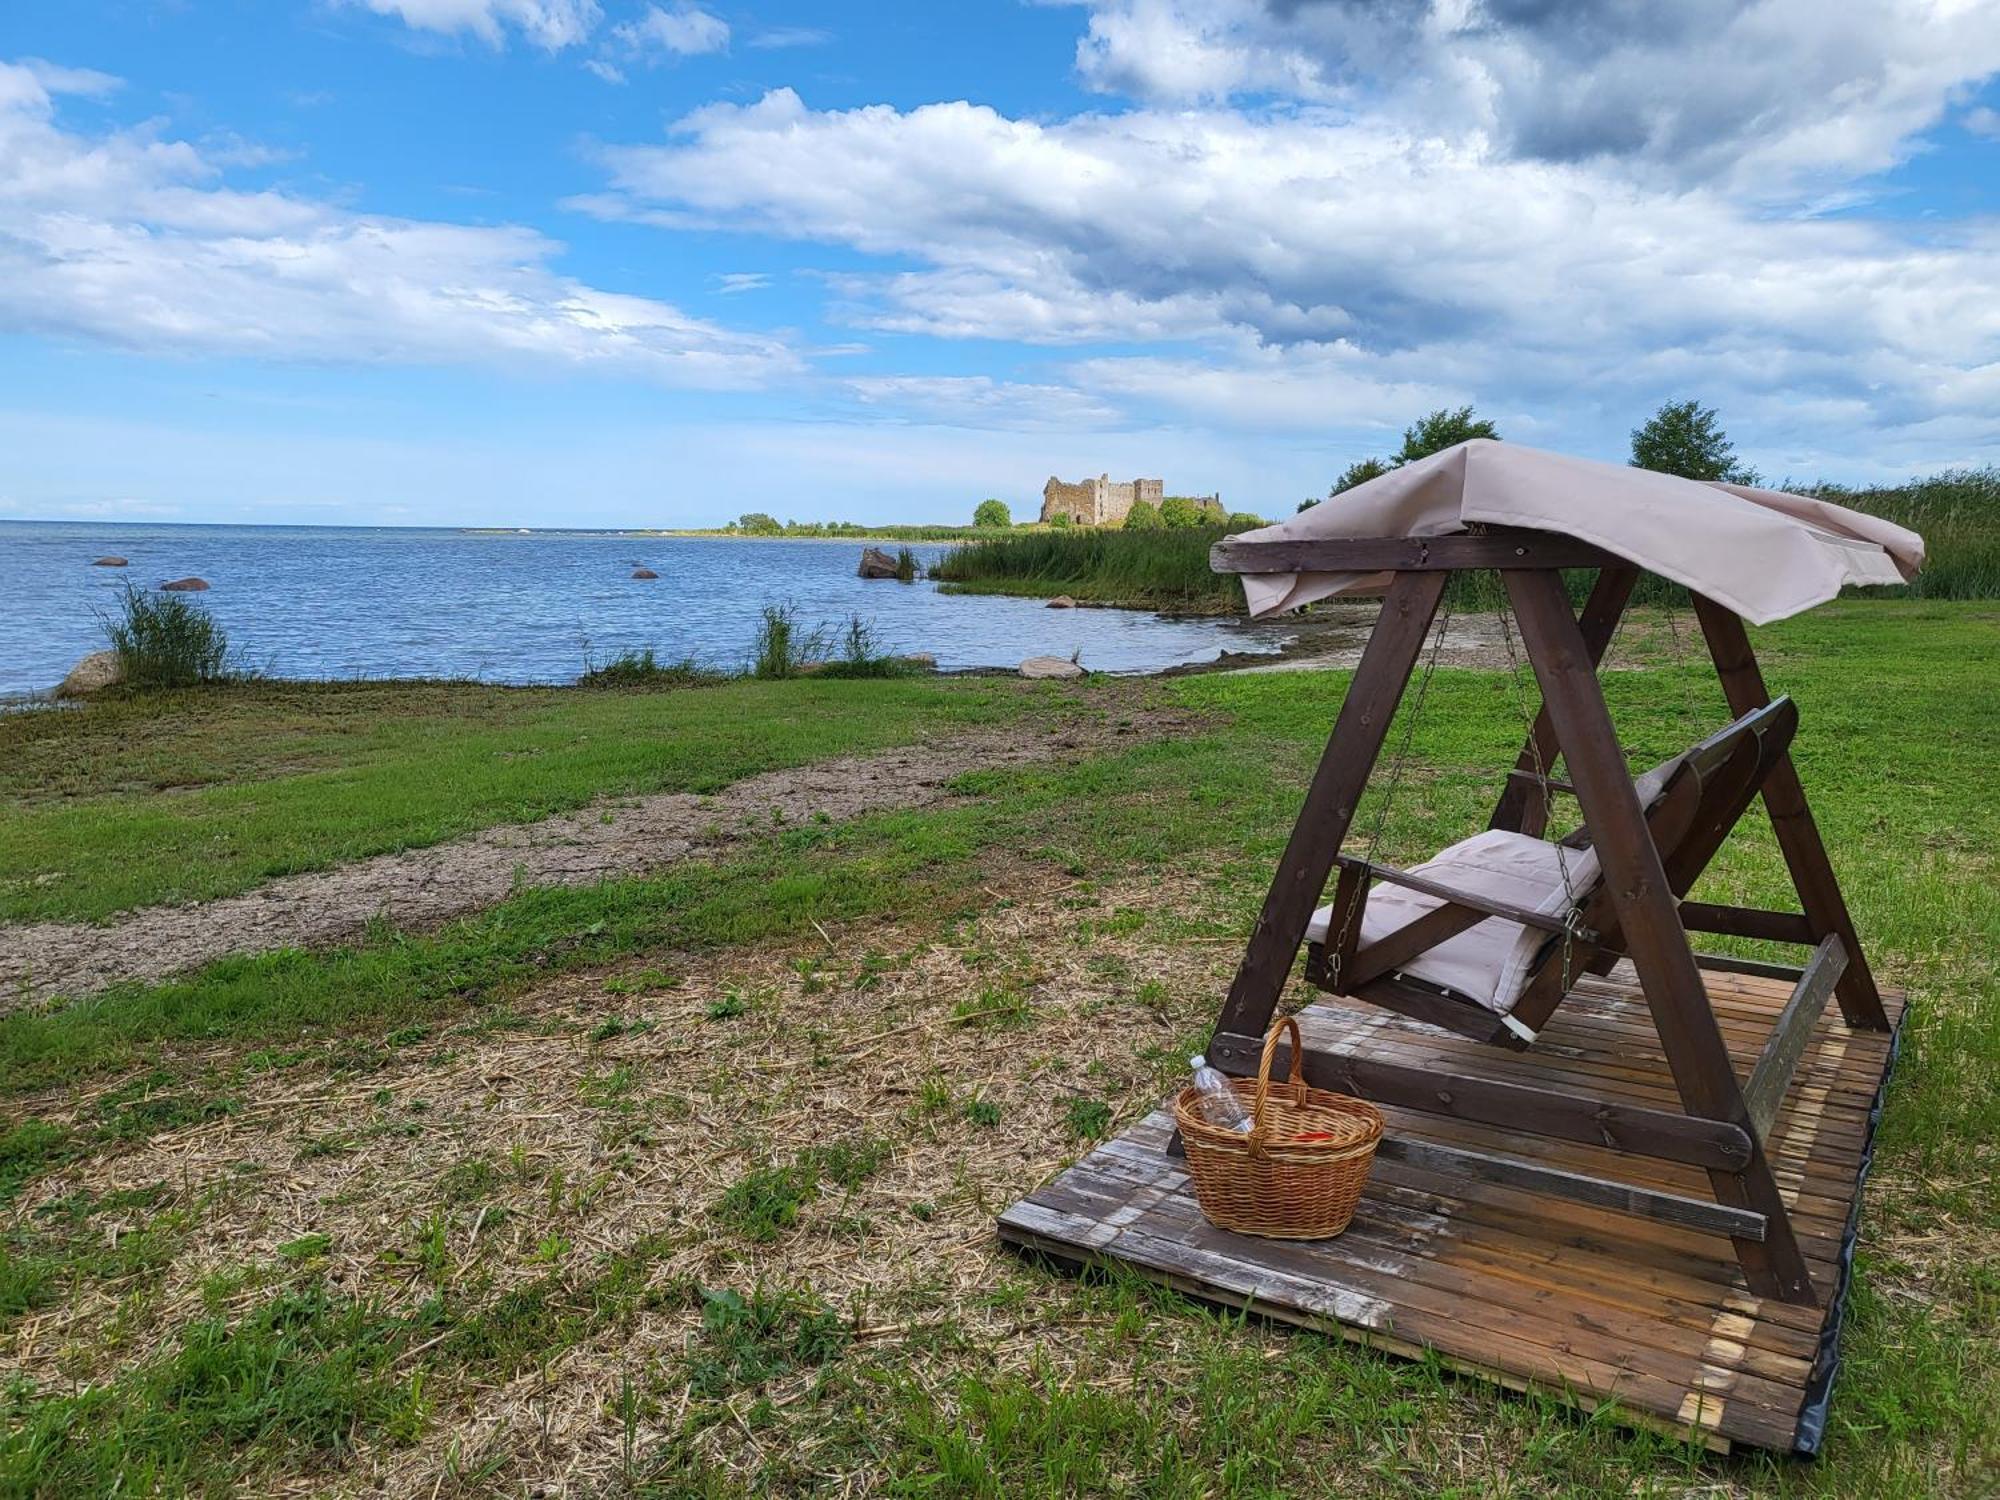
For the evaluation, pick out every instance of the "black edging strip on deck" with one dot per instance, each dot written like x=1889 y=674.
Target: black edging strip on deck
x=1826 y=1364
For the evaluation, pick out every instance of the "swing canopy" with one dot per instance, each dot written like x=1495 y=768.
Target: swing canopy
x=1766 y=554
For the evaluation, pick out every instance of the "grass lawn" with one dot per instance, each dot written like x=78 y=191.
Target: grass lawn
x=684 y=1186
x=185 y=796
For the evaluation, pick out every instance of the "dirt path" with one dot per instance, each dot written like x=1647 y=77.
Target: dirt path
x=42 y=961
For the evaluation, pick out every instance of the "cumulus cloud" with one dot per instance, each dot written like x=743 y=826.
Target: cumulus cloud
x=549 y=24
x=1762 y=93
x=1324 y=262
x=135 y=239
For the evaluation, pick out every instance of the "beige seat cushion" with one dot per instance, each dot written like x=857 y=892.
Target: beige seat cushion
x=1490 y=963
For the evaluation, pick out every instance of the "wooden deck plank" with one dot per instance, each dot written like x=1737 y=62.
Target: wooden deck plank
x=1507 y=1285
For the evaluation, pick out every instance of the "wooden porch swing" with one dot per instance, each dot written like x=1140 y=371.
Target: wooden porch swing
x=1615 y=1168
x=1487 y=939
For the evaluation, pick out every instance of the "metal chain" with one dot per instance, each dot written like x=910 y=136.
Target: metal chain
x=1396 y=764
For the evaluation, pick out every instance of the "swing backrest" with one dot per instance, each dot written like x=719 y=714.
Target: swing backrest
x=1700 y=798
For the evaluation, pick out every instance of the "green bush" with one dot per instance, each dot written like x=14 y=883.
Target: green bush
x=1180 y=512
x=165 y=640
x=992 y=513
x=641 y=669
x=1242 y=520
x=1143 y=516
x=781 y=648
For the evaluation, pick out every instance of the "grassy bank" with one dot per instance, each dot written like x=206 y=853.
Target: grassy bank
x=158 y=797
x=684 y=1185
x=1957 y=513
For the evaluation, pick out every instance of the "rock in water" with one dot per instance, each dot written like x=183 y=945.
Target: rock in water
x=644 y=573
x=109 y=562
x=99 y=670
x=875 y=563
x=1062 y=601
x=1050 y=666
x=185 y=586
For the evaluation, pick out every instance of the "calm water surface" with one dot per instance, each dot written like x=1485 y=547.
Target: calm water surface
x=398 y=602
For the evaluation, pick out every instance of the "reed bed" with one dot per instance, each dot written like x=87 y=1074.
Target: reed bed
x=1957 y=512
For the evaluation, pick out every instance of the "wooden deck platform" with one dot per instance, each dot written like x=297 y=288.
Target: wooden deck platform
x=1525 y=1290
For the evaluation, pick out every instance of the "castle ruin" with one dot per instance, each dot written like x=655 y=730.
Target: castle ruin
x=1097 y=502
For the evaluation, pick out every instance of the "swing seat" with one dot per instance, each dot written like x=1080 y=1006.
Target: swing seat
x=1473 y=939
x=1488 y=964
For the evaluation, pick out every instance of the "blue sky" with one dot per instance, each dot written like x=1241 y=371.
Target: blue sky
x=535 y=262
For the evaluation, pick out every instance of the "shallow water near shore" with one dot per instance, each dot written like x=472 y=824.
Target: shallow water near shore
x=341 y=602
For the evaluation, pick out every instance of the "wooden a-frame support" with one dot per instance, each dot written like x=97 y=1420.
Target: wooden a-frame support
x=1726 y=1120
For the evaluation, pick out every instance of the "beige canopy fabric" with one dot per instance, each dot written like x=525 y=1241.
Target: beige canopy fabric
x=1764 y=553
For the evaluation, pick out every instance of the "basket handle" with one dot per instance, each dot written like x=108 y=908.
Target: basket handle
x=1260 y=1114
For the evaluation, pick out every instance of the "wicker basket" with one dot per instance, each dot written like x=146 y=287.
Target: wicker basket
x=1271 y=1182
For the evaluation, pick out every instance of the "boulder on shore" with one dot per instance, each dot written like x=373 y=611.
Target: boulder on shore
x=1062 y=601
x=1050 y=666
x=109 y=562
x=875 y=563
x=185 y=586
x=644 y=573
x=97 y=671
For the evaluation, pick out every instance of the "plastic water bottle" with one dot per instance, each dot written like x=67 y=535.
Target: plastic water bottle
x=1219 y=1104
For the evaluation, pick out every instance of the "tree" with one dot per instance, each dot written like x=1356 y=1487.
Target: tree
x=992 y=513
x=1143 y=516
x=1242 y=520
x=1683 y=438
x=1436 y=431
x=1179 y=512
x=1358 y=472
x=1431 y=433
x=756 y=523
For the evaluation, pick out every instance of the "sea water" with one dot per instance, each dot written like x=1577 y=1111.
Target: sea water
x=344 y=602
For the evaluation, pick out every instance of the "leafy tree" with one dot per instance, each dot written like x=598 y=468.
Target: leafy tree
x=1436 y=431
x=1431 y=433
x=1311 y=500
x=1242 y=520
x=992 y=513
x=1358 y=472
x=756 y=523
x=1683 y=438
x=1143 y=516
x=1179 y=512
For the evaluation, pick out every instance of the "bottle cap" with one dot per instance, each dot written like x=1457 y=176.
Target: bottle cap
x=1197 y=1061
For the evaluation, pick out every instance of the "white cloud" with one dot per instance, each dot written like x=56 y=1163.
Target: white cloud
x=791 y=36
x=684 y=31
x=979 y=401
x=549 y=24
x=1332 y=269
x=132 y=238
x=1983 y=121
x=729 y=283
x=1761 y=94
